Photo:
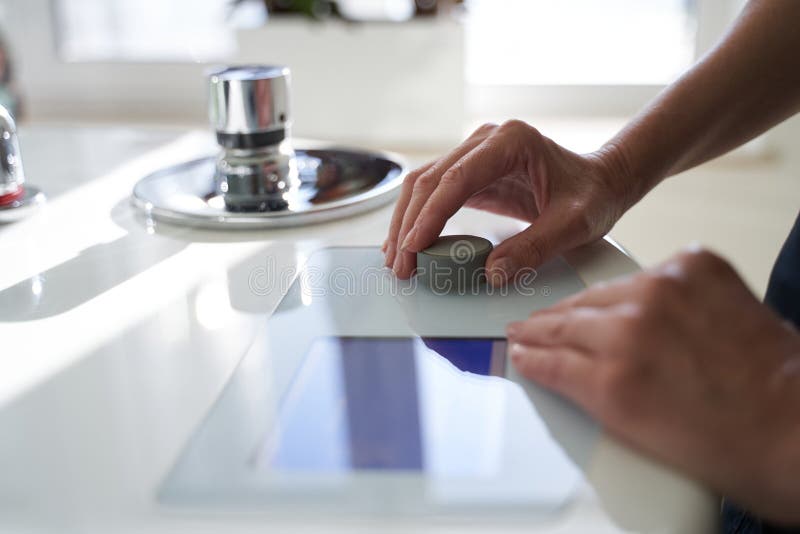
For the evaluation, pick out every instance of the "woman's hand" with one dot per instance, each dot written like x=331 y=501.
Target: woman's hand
x=513 y=170
x=686 y=364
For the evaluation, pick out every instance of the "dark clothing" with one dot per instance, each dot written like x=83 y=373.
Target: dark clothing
x=737 y=521
x=783 y=292
x=783 y=296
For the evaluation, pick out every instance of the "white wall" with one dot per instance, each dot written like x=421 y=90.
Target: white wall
x=400 y=85
x=94 y=91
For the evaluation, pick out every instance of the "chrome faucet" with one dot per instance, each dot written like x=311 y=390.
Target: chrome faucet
x=249 y=111
x=16 y=199
x=259 y=177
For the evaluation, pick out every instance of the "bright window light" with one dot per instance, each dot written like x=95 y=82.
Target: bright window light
x=152 y=30
x=578 y=42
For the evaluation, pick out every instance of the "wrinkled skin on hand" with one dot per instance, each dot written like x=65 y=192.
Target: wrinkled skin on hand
x=512 y=170
x=684 y=363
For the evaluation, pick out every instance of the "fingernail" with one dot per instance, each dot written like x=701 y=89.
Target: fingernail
x=409 y=239
x=397 y=261
x=512 y=330
x=516 y=351
x=501 y=271
x=385 y=246
x=388 y=261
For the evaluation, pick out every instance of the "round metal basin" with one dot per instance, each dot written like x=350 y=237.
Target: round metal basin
x=333 y=183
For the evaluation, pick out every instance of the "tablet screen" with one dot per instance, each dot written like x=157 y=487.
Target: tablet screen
x=415 y=404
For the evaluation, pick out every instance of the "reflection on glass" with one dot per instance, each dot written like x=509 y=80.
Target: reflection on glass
x=393 y=404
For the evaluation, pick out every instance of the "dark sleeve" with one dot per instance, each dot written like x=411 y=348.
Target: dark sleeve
x=783 y=291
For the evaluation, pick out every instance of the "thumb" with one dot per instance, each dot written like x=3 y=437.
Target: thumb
x=554 y=231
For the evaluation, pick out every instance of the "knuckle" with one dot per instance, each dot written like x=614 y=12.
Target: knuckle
x=411 y=178
x=657 y=293
x=454 y=175
x=578 y=206
x=705 y=261
x=580 y=219
x=514 y=124
x=629 y=325
x=517 y=127
x=425 y=182
x=484 y=129
x=658 y=286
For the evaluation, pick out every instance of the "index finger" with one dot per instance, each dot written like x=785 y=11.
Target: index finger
x=400 y=211
x=422 y=189
x=474 y=171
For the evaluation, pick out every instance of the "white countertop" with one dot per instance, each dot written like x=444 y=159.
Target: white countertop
x=119 y=335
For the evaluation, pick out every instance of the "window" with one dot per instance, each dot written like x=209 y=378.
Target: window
x=152 y=30
x=578 y=42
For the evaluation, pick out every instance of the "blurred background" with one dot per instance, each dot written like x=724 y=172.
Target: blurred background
x=415 y=76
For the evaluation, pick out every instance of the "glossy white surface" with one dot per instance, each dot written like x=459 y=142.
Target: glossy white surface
x=118 y=335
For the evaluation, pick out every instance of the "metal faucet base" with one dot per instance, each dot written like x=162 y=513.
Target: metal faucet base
x=333 y=183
